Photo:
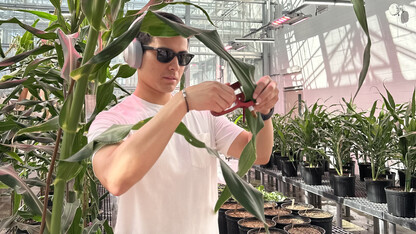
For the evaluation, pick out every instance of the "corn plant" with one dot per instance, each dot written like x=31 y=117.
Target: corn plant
x=405 y=129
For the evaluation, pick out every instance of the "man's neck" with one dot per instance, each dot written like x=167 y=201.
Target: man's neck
x=153 y=97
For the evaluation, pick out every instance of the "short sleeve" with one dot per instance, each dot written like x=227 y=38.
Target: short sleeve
x=225 y=133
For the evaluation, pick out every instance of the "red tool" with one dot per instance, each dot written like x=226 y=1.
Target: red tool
x=239 y=103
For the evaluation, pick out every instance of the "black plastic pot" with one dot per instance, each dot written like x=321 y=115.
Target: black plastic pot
x=312 y=175
x=331 y=172
x=402 y=179
x=269 y=164
x=279 y=203
x=289 y=168
x=325 y=223
x=280 y=162
x=277 y=155
x=222 y=221
x=365 y=170
x=321 y=230
x=375 y=189
x=280 y=221
x=271 y=231
x=344 y=186
x=232 y=225
x=401 y=203
x=244 y=229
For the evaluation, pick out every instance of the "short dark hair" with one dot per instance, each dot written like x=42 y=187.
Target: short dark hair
x=145 y=38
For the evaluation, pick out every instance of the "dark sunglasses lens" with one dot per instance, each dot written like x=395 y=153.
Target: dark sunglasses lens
x=165 y=55
x=185 y=58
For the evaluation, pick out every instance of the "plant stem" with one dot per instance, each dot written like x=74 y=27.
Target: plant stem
x=69 y=136
x=48 y=180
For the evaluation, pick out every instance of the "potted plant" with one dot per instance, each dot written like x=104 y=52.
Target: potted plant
x=319 y=218
x=308 y=133
x=375 y=140
x=400 y=199
x=339 y=144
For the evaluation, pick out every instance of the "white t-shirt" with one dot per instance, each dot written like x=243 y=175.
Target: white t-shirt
x=179 y=192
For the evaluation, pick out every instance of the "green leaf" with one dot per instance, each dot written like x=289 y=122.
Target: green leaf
x=9 y=177
x=34 y=31
x=15 y=156
x=50 y=125
x=75 y=227
x=125 y=71
x=8 y=125
x=17 y=58
x=93 y=11
x=359 y=10
x=68 y=215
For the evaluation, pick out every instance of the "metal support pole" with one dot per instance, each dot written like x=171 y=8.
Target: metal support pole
x=319 y=201
x=248 y=176
x=347 y=211
x=376 y=225
x=257 y=175
x=392 y=228
x=339 y=215
x=288 y=189
x=383 y=227
x=262 y=178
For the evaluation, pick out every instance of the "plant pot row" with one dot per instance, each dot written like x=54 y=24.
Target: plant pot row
x=237 y=220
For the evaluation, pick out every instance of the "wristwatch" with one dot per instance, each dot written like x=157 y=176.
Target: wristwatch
x=269 y=115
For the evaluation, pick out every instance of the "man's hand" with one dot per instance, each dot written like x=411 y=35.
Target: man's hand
x=266 y=95
x=210 y=95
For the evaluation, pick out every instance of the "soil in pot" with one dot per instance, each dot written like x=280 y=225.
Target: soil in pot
x=263 y=231
x=344 y=186
x=303 y=229
x=222 y=221
x=312 y=175
x=282 y=221
x=289 y=168
x=247 y=224
x=272 y=212
x=319 y=218
x=296 y=207
x=365 y=170
x=232 y=217
x=401 y=203
x=375 y=189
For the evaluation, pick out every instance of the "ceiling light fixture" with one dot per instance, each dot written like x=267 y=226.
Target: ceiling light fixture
x=326 y=2
x=290 y=18
x=261 y=40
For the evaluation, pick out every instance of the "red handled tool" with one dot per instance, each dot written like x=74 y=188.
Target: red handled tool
x=239 y=103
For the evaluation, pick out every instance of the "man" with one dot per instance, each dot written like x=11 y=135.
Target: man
x=164 y=184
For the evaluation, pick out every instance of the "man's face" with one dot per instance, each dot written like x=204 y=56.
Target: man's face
x=158 y=77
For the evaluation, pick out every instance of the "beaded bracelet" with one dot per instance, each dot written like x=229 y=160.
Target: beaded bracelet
x=186 y=100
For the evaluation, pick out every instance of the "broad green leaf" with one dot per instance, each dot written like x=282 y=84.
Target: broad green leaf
x=8 y=124
x=16 y=201
x=50 y=125
x=34 y=31
x=93 y=11
x=28 y=147
x=9 y=177
x=15 y=156
x=125 y=71
x=17 y=58
x=11 y=83
x=34 y=64
x=75 y=227
x=92 y=229
x=68 y=215
x=104 y=96
x=359 y=10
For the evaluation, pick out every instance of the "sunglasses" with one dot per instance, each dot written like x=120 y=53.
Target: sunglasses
x=165 y=55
